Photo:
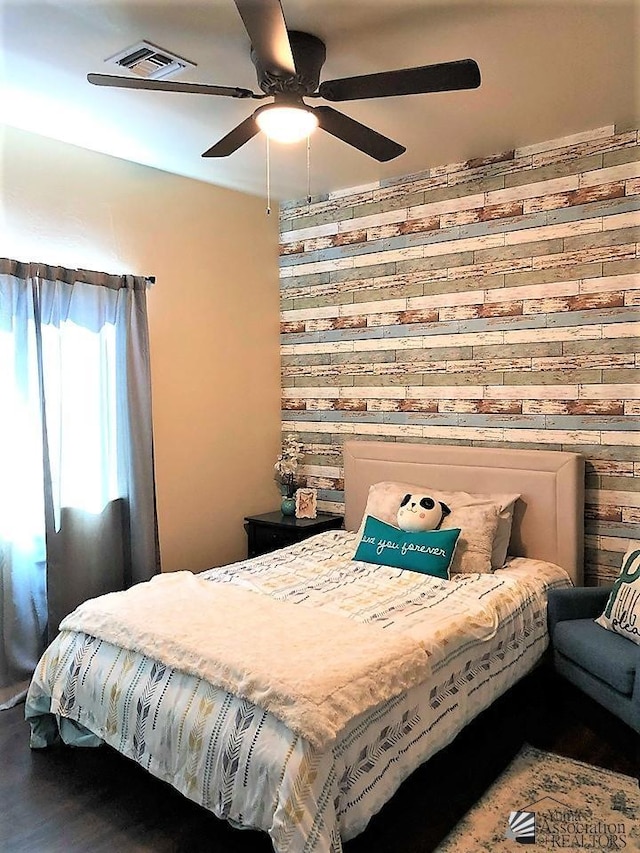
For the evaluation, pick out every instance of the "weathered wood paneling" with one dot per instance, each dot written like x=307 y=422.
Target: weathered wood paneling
x=493 y=302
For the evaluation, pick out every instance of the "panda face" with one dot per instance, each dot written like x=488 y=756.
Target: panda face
x=421 y=512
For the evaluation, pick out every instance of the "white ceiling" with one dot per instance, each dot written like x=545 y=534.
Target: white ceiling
x=549 y=68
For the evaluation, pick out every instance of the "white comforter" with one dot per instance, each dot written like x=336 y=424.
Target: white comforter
x=312 y=669
x=481 y=632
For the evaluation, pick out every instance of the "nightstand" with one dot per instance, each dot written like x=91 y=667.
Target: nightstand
x=273 y=530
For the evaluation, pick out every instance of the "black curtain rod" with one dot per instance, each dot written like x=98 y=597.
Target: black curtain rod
x=151 y=279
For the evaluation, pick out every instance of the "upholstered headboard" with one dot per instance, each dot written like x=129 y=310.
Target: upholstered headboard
x=549 y=517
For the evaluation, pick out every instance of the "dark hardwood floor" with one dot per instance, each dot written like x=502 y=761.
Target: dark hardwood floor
x=63 y=800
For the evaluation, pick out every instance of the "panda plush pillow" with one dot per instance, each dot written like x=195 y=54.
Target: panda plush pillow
x=421 y=512
x=416 y=544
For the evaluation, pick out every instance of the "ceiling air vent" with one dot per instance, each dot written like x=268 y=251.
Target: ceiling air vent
x=149 y=61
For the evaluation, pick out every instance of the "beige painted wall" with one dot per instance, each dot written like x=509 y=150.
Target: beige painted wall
x=213 y=316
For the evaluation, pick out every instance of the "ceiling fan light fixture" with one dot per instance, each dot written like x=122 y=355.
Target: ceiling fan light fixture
x=286 y=124
x=288 y=65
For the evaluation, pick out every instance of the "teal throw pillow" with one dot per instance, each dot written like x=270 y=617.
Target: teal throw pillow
x=622 y=613
x=429 y=552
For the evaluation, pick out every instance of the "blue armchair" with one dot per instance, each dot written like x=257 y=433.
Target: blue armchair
x=601 y=663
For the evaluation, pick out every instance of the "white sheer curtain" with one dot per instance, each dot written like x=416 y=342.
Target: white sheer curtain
x=79 y=376
x=77 y=499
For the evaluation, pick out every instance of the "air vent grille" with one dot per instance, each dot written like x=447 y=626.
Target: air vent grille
x=151 y=62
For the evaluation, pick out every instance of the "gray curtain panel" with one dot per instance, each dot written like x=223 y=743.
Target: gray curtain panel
x=77 y=493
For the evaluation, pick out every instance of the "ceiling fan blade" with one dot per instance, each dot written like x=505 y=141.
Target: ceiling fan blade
x=235 y=139
x=264 y=22
x=444 y=77
x=358 y=135
x=169 y=86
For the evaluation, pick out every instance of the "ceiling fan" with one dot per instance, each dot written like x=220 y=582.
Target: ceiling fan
x=288 y=65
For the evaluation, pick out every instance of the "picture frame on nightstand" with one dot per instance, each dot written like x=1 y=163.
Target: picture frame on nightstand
x=306 y=503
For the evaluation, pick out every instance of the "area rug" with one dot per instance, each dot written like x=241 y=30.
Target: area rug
x=548 y=802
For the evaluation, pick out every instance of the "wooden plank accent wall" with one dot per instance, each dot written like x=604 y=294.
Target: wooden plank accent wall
x=493 y=302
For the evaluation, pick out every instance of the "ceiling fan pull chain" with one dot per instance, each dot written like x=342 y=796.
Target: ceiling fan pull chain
x=308 y=172
x=268 y=178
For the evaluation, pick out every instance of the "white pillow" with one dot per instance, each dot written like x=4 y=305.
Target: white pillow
x=478 y=525
x=622 y=613
x=384 y=499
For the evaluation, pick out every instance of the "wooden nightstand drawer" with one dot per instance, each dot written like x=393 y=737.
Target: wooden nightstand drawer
x=273 y=530
x=269 y=539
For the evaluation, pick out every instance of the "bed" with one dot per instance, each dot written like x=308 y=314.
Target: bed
x=312 y=775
